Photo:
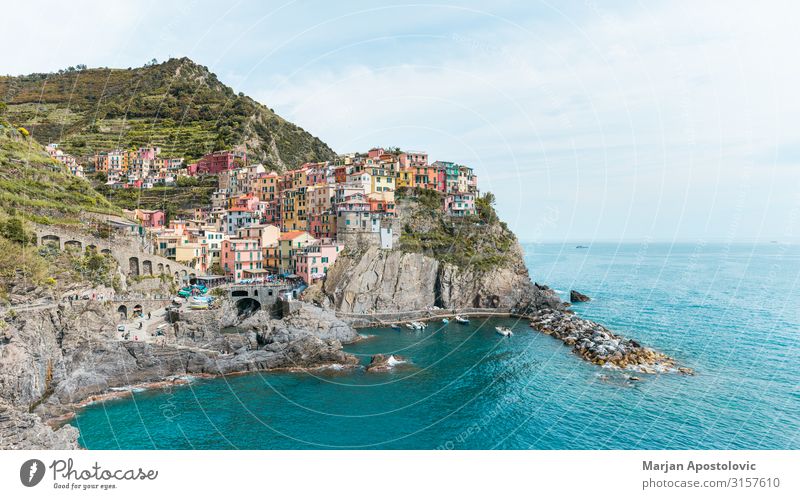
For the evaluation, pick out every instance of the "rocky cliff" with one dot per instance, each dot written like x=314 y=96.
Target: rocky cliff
x=53 y=358
x=377 y=281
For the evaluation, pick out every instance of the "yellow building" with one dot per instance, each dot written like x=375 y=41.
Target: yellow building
x=405 y=177
x=382 y=180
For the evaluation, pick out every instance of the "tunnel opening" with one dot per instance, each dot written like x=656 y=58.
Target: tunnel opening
x=247 y=307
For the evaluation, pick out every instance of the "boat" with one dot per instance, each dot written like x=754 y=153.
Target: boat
x=395 y=326
x=446 y=320
x=419 y=325
x=410 y=326
x=580 y=246
x=462 y=320
x=504 y=331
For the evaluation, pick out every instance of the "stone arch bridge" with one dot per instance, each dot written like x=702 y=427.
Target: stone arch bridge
x=126 y=251
x=250 y=298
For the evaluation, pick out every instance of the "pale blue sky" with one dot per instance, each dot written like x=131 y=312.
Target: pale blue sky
x=589 y=120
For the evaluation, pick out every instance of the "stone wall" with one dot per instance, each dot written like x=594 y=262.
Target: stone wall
x=126 y=250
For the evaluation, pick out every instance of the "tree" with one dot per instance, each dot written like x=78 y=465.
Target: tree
x=13 y=229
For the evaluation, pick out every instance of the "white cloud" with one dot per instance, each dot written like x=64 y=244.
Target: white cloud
x=633 y=119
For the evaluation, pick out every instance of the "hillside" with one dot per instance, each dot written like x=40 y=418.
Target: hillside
x=178 y=105
x=38 y=187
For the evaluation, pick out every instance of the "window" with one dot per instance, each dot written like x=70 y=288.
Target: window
x=324 y=259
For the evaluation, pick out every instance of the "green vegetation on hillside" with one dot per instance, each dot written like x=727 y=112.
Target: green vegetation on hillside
x=481 y=242
x=36 y=186
x=177 y=105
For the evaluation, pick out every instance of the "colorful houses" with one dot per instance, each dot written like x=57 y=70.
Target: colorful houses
x=262 y=222
x=290 y=244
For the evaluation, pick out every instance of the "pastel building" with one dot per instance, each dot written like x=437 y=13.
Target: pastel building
x=236 y=218
x=151 y=218
x=313 y=262
x=239 y=255
x=460 y=204
x=267 y=235
x=289 y=245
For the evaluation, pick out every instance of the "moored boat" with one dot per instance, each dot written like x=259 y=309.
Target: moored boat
x=504 y=331
x=446 y=320
x=462 y=320
x=395 y=326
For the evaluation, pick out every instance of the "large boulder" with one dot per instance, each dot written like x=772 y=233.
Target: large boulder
x=576 y=297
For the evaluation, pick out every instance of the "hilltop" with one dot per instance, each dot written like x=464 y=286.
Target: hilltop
x=178 y=105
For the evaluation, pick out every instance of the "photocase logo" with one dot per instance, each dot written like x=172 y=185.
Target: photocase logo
x=31 y=472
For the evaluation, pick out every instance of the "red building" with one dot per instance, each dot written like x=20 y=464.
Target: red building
x=219 y=161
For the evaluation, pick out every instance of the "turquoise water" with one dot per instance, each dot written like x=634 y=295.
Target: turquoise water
x=730 y=312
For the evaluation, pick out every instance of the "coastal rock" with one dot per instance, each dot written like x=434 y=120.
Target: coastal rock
x=23 y=430
x=577 y=297
x=51 y=359
x=376 y=281
x=383 y=363
x=598 y=345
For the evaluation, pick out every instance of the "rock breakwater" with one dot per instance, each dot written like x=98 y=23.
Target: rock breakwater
x=598 y=345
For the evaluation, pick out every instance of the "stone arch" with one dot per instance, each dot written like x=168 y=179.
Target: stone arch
x=177 y=276
x=106 y=251
x=73 y=245
x=51 y=240
x=255 y=292
x=183 y=273
x=138 y=311
x=133 y=265
x=239 y=292
x=248 y=306
x=91 y=247
x=122 y=310
x=147 y=267
x=160 y=268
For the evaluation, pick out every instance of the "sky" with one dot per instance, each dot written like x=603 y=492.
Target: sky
x=590 y=120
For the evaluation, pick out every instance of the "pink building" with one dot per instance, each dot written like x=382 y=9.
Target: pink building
x=413 y=158
x=313 y=263
x=239 y=255
x=219 y=161
x=151 y=218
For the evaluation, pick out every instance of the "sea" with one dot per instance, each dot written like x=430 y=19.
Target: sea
x=731 y=312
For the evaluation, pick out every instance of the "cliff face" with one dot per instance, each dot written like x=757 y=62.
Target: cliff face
x=53 y=358
x=375 y=281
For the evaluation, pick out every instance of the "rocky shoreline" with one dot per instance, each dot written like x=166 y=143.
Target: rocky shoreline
x=596 y=344
x=55 y=361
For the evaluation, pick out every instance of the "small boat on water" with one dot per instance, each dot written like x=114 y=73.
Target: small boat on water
x=504 y=331
x=462 y=320
x=418 y=325
x=410 y=326
x=446 y=320
x=395 y=326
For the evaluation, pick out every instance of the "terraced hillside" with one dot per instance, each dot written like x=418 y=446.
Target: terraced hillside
x=33 y=185
x=178 y=105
